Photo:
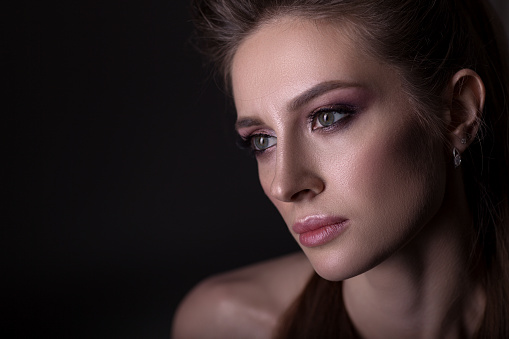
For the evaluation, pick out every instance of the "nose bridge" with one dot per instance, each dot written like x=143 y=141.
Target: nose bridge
x=296 y=174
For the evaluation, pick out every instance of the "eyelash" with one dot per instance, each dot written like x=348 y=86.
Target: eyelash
x=246 y=143
x=347 y=110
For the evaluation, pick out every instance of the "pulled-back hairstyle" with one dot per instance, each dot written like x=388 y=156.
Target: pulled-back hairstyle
x=427 y=42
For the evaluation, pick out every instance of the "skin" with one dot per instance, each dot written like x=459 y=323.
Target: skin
x=403 y=247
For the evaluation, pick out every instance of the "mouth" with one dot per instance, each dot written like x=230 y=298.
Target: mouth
x=317 y=230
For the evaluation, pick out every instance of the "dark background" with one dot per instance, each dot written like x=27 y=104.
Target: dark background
x=124 y=186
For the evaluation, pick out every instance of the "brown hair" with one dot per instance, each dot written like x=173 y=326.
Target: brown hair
x=427 y=42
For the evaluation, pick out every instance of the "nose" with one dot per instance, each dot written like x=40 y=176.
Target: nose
x=296 y=174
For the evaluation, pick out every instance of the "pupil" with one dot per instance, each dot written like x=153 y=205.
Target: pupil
x=327 y=119
x=261 y=142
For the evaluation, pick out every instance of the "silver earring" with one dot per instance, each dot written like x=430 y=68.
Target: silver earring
x=457 y=157
x=463 y=141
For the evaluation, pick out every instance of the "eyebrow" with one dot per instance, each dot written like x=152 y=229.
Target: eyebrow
x=247 y=122
x=300 y=100
x=316 y=91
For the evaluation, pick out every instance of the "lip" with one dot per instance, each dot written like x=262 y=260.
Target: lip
x=317 y=230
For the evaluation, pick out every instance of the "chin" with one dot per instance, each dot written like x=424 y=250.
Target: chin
x=334 y=266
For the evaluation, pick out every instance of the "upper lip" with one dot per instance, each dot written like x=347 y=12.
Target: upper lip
x=314 y=222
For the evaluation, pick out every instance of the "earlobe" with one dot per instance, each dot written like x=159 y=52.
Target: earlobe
x=466 y=106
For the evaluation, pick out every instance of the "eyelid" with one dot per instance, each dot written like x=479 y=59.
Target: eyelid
x=272 y=141
x=340 y=108
x=245 y=142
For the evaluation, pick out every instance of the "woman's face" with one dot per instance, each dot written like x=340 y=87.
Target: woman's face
x=338 y=146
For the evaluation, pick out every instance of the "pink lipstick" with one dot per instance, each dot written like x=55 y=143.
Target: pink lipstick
x=315 y=230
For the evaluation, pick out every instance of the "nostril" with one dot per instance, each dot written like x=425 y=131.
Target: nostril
x=294 y=178
x=294 y=187
x=307 y=193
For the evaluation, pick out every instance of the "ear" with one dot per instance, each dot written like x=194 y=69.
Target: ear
x=466 y=106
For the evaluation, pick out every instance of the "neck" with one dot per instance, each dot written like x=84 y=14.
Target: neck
x=426 y=289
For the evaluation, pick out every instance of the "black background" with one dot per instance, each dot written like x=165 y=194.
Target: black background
x=124 y=185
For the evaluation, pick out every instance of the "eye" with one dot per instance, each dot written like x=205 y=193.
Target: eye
x=261 y=142
x=328 y=117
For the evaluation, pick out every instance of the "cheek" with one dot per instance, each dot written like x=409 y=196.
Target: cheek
x=394 y=178
x=389 y=187
x=265 y=175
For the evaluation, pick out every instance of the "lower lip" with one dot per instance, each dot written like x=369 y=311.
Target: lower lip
x=321 y=235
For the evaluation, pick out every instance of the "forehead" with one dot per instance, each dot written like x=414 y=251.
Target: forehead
x=290 y=55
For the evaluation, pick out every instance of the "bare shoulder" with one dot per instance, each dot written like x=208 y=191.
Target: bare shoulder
x=244 y=303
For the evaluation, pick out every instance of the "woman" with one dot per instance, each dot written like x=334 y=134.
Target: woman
x=380 y=129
